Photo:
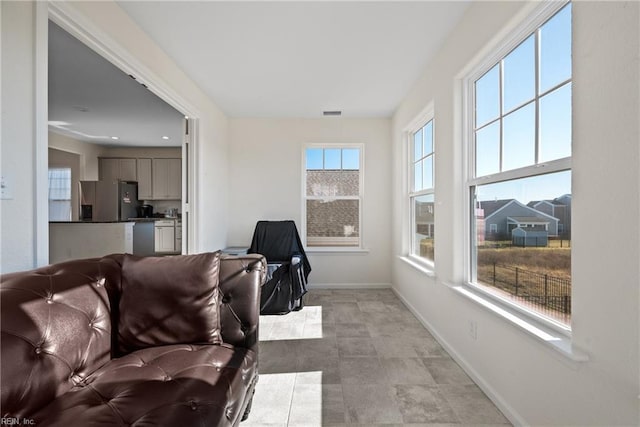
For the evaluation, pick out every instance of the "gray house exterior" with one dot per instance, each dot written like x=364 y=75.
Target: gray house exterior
x=560 y=208
x=502 y=217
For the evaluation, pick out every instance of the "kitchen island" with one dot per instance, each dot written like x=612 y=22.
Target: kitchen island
x=88 y=239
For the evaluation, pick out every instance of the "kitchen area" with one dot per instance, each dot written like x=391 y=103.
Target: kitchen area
x=133 y=207
x=115 y=159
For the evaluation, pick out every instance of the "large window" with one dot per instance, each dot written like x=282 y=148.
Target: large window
x=59 y=194
x=421 y=197
x=520 y=172
x=333 y=196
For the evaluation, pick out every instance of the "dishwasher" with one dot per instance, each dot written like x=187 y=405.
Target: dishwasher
x=143 y=238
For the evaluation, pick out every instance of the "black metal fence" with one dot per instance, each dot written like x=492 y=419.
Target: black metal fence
x=547 y=294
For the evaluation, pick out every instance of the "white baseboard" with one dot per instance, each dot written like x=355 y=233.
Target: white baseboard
x=349 y=285
x=496 y=398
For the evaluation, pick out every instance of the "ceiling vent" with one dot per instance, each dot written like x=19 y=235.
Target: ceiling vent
x=335 y=113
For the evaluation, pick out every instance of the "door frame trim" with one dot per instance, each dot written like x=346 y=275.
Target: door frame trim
x=76 y=24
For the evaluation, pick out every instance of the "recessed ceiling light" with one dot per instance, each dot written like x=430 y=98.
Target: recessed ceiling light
x=165 y=137
x=115 y=137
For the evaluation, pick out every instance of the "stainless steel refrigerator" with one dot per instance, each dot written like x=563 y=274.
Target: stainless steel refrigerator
x=108 y=200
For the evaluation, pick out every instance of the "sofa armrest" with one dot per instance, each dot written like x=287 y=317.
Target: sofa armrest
x=241 y=278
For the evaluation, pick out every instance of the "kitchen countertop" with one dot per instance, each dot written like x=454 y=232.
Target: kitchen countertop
x=115 y=221
x=88 y=222
x=154 y=219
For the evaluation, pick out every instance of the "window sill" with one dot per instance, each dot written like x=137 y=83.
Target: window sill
x=419 y=265
x=543 y=334
x=336 y=250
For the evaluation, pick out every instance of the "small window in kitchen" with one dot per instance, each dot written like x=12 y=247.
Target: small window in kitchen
x=60 y=194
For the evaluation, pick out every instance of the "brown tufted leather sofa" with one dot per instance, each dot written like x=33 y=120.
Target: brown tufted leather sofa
x=128 y=341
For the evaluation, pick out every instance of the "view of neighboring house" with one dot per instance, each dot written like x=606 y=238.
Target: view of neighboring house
x=529 y=224
x=424 y=219
x=560 y=208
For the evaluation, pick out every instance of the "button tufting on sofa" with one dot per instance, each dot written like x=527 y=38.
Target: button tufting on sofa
x=85 y=376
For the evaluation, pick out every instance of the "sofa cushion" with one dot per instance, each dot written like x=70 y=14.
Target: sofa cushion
x=169 y=300
x=177 y=385
x=56 y=330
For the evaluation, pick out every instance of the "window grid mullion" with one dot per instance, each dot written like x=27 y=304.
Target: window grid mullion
x=501 y=117
x=536 y=130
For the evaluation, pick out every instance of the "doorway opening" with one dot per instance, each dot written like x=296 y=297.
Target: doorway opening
x=118 y=129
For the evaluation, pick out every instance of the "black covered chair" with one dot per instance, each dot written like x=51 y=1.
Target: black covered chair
x=287 y=266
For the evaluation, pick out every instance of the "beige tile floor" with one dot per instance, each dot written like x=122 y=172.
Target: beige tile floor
x=359 y=357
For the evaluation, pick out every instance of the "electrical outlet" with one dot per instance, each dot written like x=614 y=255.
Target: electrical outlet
x=473 y=329
x=6 y=192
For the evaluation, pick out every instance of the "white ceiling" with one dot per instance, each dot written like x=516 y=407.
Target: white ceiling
x=92 y=100
x=285 y=59
x=300 y=58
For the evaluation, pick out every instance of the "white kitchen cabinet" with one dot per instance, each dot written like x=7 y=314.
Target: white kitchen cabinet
x=145 y=179
x=109 y=169
x=117 y=169
x=128 y=170
x=174 y=173
x=164 y=236
x=167 y=179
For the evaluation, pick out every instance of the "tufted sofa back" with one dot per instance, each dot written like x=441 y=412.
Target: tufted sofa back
x=60 y=323
x=240 y=280
x=55 y=330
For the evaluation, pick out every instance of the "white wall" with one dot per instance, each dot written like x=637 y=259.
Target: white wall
x=108 y=19
x=17 y=215
x=104 y=21
x=532 y=383
x=88 y=153
x=265 y=163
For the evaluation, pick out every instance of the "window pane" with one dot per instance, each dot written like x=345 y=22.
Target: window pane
x=333 y=223
x=423 y=226
x=519 y=75
x=351 y=158
x=488 y=150
x=417 y=176
x=555 y=124
x=59 y=194
x=333 y=183
x=332 y=158
x=59 y=210
x=555 y=50
x=314 y=158
x=417 y=145
x=519 y=138
x=427 y=172
x=428 y=138
x=488 y=96
x=523 y=240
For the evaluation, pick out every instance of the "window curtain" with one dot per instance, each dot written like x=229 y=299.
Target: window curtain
x=60 y=194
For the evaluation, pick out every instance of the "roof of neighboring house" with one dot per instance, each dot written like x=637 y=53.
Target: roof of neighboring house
x=528 y=219
x=502 y=204
x=490 y=206
x=557 y=201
